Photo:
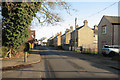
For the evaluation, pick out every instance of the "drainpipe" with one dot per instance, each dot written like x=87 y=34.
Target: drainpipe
x=113 y=35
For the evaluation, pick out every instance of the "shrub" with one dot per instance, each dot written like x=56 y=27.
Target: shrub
x=21 y=48
x=4 y=51
x=26 y=47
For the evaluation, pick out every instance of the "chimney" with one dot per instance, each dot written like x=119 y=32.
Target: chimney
x=77 y=26
x=60 y=33
x=67 y=29
x=52 y=36
x=57 y=33
x=71 y=28
x=85 y=23
x=95 y=27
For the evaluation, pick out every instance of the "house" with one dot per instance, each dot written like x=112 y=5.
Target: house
x=95 y=36
x=65 y=38
x=85 y=36
x=50 y=41
x=108 y=31
x=31 y=37
x=57 y=40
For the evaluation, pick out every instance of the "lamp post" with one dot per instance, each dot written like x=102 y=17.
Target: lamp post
x=75 y=34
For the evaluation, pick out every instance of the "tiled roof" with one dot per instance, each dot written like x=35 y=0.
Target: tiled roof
x=113 y=19
x=65 y=33
x=78 y=28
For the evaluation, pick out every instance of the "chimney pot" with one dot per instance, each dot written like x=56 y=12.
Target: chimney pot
x=60 y=33
x=85 y=22
x=95 y=27
x=57 y=33
x=77 y=26
x=67 y=29
x=71 y=28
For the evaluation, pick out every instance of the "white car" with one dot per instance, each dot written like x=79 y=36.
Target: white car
x=111 y=50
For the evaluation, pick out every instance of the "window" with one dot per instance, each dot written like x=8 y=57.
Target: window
x=93 y=35
x=103 y=29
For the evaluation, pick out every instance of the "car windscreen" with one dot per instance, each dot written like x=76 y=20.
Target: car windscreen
x=112 y=47
x=117 y=47
x=107 y=47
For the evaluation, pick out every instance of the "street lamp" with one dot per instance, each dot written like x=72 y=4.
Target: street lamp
x=75 y=33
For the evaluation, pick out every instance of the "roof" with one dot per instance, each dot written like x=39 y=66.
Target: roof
x=78 y=28
x=51 y=38
x=113 y=19
x=65 y=32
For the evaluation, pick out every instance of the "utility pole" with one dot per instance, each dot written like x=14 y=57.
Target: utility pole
x=75 y=34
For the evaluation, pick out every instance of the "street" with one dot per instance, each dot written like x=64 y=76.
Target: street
x=66 y=64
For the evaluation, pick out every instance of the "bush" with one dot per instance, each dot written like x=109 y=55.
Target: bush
x=27 y=46
x=4 y=51
x=21 y=48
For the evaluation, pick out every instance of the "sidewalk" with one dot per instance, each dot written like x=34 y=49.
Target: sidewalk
x=32 y=58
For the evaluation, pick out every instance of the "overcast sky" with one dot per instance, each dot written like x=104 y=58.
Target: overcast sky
x=91 y=11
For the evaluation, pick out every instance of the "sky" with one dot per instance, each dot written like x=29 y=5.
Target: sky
x=90 y=11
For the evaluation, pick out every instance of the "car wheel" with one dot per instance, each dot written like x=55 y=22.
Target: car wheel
x=111 y=54
x=105 y=55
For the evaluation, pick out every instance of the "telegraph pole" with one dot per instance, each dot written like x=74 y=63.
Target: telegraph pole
x=75 y=34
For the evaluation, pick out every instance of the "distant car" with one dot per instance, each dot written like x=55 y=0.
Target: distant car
x=111 y=50
x=43 y=45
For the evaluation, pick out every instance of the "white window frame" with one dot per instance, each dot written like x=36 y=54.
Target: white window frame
x=104 y=28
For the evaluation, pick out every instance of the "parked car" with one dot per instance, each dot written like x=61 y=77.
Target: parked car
x=111 y=50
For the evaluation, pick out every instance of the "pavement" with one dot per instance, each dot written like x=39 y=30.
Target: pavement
x=33 y=58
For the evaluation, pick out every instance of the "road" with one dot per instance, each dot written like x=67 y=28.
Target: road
x=66 y=64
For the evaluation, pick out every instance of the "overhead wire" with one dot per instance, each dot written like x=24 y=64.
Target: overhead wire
x=103 y=9
x=99 y=11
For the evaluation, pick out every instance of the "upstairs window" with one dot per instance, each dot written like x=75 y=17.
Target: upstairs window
x=104 y=29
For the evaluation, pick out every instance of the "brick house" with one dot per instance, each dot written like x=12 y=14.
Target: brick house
x=108 y=31
x=31 y=37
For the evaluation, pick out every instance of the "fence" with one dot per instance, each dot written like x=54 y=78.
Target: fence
x=90 y=48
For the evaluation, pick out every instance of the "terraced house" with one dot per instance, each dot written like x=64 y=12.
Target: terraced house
x=57 y=40
x=65 y=38
x=85 y=36
x=50 y=41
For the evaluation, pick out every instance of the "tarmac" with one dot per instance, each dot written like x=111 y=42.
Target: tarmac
x=34 y=57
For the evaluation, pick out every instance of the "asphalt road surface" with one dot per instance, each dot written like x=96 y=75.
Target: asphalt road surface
x=66 y=64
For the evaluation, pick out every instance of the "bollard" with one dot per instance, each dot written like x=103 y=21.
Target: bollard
x=25 y=57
